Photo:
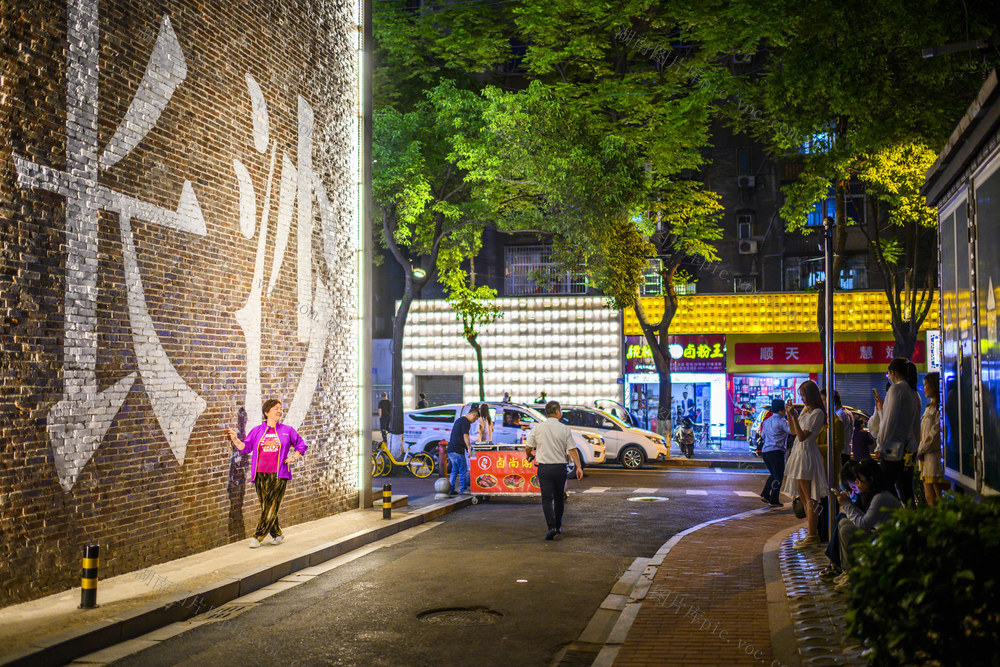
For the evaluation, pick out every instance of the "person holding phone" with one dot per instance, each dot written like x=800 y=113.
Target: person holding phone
x=879 y=501
x=271 y=447
x=805 y=472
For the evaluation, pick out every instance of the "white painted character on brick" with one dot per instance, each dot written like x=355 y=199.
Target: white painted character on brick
x=77 y=424
x=297 y=184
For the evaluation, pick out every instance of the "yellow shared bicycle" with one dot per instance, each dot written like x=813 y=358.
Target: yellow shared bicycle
x=420 y=464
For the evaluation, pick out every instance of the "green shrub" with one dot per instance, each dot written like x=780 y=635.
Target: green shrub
x=926 y=589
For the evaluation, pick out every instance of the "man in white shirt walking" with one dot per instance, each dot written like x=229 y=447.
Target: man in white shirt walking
x=553 y=440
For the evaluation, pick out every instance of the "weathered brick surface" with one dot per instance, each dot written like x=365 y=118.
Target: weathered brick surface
x=143 y=497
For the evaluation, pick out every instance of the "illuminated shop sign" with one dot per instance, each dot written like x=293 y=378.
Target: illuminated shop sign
x=798 y=353
x=688 y=354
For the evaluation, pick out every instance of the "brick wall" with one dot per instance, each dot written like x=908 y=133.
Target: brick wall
x=179 y=224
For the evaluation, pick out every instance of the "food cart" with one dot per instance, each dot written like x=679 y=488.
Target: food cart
x=502 y=470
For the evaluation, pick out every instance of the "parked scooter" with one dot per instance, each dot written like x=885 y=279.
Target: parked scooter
x=684 y=437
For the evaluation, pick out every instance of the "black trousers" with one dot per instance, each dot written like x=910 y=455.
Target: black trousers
x=775 y=462
x=901 y=478
x=552 y=482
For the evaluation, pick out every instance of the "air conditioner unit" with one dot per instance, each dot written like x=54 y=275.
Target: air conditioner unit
x=748 y=247
x=746 y=181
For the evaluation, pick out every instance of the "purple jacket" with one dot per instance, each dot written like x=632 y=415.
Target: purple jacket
x=289 y=439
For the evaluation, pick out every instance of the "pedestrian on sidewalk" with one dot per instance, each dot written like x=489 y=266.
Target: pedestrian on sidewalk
x=805 y=472
x=554 y=441
x=384 y=415
x=929 y=453
x=271 y=456
x=540 y=400
x=422 y=403
x=899 y=427
x=459 y=446
x=858 y=524
x=775 y=433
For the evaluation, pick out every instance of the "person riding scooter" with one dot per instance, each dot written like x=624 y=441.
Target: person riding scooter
x=684 y=437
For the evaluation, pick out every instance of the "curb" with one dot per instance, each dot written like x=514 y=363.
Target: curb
x=617 y=625
x=711 y=463
x=784 y=645
x=65 y=647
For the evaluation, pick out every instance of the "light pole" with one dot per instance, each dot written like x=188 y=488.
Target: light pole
x=828 y=363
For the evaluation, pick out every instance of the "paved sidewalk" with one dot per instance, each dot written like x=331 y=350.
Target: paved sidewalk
x=728 y=592
x=52 y=630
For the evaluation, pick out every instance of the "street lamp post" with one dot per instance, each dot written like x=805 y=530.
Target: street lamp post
x=828 y=370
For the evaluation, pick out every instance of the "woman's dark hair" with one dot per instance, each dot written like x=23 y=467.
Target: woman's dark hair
x=934 y=380
x=484 y=411
x=811 y=396
x=898 y=366
x=911 y=375
x=268 y=404
x=869 y=469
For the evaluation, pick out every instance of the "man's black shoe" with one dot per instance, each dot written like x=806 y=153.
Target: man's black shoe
x=551 y=534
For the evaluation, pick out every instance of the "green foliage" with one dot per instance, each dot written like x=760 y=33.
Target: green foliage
x=926 y=589
x=895 y=175
x=474 y=306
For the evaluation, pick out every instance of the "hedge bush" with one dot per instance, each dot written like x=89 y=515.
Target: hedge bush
x=926 y=588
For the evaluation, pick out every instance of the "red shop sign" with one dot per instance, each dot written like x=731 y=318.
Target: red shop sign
x=870 y=352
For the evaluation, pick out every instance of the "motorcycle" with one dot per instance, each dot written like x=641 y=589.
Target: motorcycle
x=684 y=437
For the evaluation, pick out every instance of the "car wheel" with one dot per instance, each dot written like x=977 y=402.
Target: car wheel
x=631 y=457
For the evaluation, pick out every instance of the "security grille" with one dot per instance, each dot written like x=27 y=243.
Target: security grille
x=523 y=261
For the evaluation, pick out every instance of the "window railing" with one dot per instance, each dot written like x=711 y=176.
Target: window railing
x=523 y=263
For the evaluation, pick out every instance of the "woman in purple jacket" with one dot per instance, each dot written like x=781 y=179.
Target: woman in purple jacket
x=271 y=445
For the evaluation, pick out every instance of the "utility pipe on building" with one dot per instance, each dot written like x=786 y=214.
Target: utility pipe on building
x=828 y=372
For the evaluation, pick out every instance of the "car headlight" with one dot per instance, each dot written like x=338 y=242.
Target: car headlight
x=593 y=440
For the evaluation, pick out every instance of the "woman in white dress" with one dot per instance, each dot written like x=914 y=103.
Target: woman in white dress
x=805 y=474
x=929 y=453
x=484 y=425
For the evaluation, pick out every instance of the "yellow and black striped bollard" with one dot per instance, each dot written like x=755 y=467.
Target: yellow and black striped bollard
x=387 y=501
x=88 y=582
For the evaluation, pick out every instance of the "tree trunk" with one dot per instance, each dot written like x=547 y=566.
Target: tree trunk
x=658 y=338
x=398 y=327
x=479 y=366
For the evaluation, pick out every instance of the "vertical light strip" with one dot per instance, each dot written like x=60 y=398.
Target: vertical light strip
x=362 y=146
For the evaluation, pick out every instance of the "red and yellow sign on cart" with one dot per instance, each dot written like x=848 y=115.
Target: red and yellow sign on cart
x=509 y=472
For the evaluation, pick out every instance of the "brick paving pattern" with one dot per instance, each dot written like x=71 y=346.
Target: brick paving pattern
x=817 y=610
x=707 y=604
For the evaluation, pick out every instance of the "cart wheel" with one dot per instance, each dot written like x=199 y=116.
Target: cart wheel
x=475 y=500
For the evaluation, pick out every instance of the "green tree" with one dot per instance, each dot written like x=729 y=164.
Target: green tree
x=428 y=218
x=474 y=307
x=847 y=77
x=903 y=235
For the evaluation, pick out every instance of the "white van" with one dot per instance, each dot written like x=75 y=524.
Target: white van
x=631 y=447
x=423 y=429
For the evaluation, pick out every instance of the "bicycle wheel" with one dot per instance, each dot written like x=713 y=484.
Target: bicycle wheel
x=421 y=465
x=380 y=465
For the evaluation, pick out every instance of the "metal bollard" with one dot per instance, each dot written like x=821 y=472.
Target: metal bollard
x=88 y=582
x=387 y=501
x=442 y=458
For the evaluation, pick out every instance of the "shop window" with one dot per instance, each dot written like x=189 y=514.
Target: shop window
x=524 y=263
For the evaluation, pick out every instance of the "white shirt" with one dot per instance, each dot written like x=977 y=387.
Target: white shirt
x=551 y=440
x=900 y=427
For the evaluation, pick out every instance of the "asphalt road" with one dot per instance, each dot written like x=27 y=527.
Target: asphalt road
x=524 y=598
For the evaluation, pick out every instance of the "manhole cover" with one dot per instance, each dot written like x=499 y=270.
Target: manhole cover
x=460 y=616
x=647 y=499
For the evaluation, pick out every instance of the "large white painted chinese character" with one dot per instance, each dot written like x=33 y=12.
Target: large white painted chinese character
x=766 y=353
x=791 y=352
x=866 y=351
x=77 y=424
x=314 y=304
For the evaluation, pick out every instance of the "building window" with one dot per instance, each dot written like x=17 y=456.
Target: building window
x=854 y=202
x=652 y=282
x=524 y=262
x=805 y=272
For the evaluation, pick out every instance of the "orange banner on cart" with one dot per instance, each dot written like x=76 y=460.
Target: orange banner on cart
x=503 y=472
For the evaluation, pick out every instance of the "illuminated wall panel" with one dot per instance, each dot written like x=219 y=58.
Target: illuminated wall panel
x=568 y=346
x=772 y=313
